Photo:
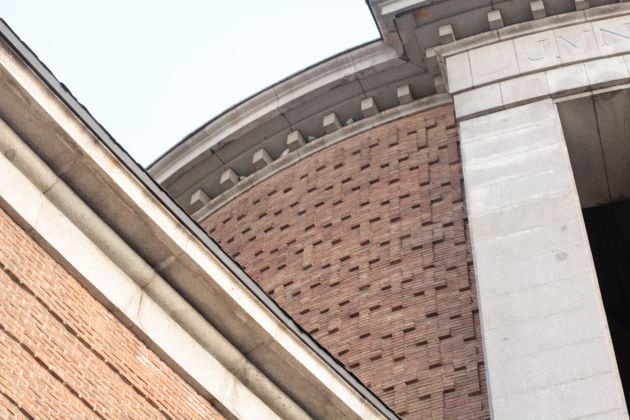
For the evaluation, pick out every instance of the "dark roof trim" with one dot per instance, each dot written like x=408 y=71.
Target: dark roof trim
x=99 y=131
x=369 y=6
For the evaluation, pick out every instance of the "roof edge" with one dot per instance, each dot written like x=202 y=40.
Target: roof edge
x=83 y=115
x=260 y=92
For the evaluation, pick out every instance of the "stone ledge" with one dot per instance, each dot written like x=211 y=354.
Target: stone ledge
x=554 y=41
x=591 y=76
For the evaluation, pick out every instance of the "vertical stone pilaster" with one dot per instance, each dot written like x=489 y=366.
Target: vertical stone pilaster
x=546 y=341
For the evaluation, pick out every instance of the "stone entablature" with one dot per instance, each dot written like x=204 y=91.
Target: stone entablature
x=537 y=52
x=553 y=57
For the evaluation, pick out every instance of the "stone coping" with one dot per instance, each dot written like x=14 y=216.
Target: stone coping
x=117 y=201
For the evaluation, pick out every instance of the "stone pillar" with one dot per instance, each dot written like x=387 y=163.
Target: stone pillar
x=547 y=345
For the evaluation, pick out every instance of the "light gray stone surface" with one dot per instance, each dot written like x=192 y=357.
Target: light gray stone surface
x=524 y=88
x=568 y=79
x=198 y=199
x=538 y=9
x=606 y=72
x=562 y=81
x=495 y=20
x=546 y=341
x=295 y=140
x=229 y=178
x=331 y=123
x=613 y=35
x=536 y=51
x=369 y=107
x=574 y=38
x=446 y=34
x=576 y=43
x=458 y=72
x=261 y=159
x=582 y=4
x=478 y=101
x=493 y=62
x=404 y=95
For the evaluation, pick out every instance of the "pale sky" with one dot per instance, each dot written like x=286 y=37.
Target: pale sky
x=153 y=71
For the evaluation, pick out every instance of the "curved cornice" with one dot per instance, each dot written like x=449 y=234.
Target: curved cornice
x=273 y=101
x=403 y=66
x=316 y=146
x=296 y=104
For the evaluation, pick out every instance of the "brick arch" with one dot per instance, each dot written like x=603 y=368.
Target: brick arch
x=365 y=245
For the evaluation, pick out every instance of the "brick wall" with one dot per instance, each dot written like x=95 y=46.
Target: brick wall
x=63 y=355
x=365 y=245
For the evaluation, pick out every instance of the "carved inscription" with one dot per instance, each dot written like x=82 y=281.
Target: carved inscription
x=578 y=42
x=547 y=49
x=540 y=50
x=615 y=33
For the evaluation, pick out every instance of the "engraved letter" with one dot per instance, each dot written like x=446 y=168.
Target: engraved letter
x=608 y=34
x=562 y=37
x=542 y=50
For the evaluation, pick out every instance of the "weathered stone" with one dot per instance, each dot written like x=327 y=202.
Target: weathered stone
x=261 y=159
x=369 y=107
x=440 y=86
x=458 y=72
x=199 y=198
x=582 y=4
x=229 y=178
x=331 y=123
x=446 y=34
x=404 y=94
x=495 y=20
x=538 y=9
x=295 y=140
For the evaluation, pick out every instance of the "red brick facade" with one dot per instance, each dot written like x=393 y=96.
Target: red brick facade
x=64 y=355
x=365 y=245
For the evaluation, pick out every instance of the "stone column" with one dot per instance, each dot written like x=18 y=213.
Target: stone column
x=547 y=345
